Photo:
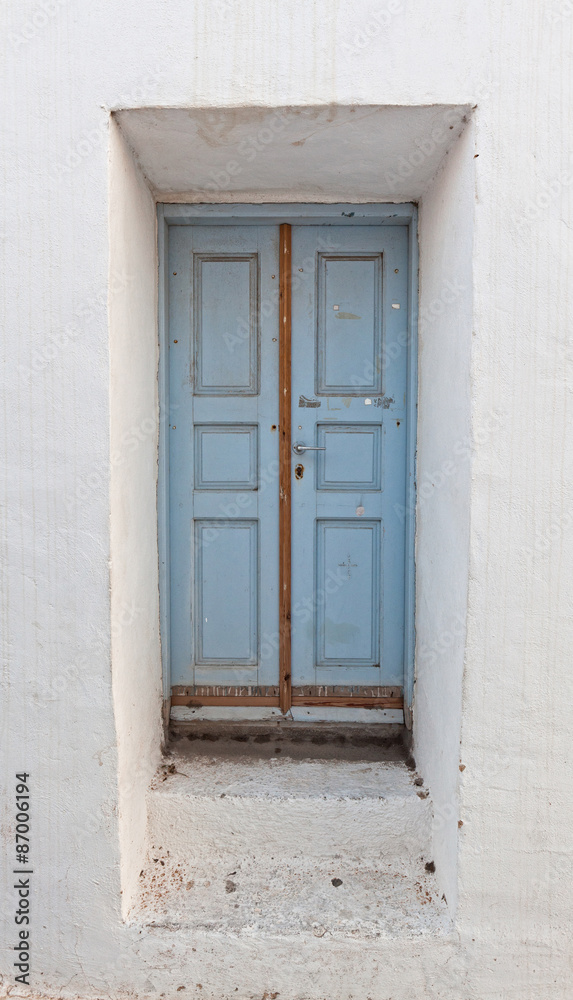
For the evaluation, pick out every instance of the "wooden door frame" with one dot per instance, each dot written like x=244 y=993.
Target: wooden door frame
x=285 y=216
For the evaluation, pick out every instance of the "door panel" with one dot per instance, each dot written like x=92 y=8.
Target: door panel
x=346 y=282
x=352 y=458
x=348 y=575
x=226 y=600
x=223 y=322
x=349 y=351
x=226 y=321
x=226 y=456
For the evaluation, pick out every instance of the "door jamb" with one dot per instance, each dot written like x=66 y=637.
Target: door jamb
x=286 y=214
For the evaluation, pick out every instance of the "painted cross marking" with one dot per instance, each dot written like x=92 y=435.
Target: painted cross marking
x=348 y=564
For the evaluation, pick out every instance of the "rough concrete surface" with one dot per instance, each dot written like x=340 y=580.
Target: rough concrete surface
x=290 y=830
x=276 y=897
x=253 y=793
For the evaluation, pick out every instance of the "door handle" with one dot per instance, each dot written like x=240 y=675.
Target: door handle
x=299 y=449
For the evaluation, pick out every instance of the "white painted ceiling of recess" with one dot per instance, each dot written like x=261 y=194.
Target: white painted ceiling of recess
x=360 y=153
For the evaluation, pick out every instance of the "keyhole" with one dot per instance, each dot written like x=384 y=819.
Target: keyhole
x=298 y=471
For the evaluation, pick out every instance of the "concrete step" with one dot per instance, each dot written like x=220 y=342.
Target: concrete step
x=290 y=829
x=290 y=792
x=258 y=897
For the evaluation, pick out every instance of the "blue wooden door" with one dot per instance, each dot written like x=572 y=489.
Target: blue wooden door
x=349 y=374
x=223 y=456
x=349 y=369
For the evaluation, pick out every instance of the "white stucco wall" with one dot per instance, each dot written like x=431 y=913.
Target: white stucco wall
x=134 y=425
x=516 y=788
x=66 y=67
x=446 y=222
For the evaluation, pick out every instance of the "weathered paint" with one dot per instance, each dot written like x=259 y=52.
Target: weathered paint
x=347 y=616
x=223 y=455
x=348 y=546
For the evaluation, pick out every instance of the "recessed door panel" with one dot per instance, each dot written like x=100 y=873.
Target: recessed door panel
x=226 y=456
x=352 y=457
x=226 y=592
x=226 y=320
x=349 y=323
x=348 y=582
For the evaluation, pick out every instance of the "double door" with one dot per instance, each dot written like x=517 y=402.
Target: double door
x=287 y=459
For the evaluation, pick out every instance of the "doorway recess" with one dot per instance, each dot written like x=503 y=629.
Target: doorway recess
x=288 y=426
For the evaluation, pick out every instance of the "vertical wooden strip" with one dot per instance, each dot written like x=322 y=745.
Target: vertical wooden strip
x=285 y=469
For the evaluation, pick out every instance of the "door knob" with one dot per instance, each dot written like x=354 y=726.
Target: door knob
x=299 y=449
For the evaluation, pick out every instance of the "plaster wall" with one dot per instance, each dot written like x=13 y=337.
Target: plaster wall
x=516 y=786
x=66 y=68
x=444 y=442
x=134 y=424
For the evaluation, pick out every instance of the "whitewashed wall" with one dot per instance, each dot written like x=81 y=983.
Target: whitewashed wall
x=66 y=66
